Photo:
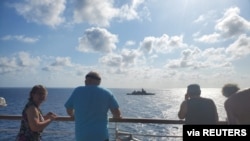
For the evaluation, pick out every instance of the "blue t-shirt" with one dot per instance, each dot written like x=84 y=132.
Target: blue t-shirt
x=91 y=105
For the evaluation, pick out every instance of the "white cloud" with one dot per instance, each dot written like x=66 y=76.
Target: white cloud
x=94 y=12
x=163 y=44
x=130 y=43
x=195 y=58
x=135 y=10
x=229 y=26
x=62 y=61
x=232 y=24
x=201 y=18
x=187 y=60
x=21 y=61
x=99 y=13
x=240 y=48
x=7 y=65
x=112 y=60
x=215 y=54
x=97 y=40
x=147 y=44
x=20 y=38
x=129 y=56
x=211 y=38
x=120 y=62
x=205 y=18
x=48 y=12
x=59 y=64
x=24 y=60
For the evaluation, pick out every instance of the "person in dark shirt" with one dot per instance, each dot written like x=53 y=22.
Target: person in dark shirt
x=196 y=109
x=237 y=105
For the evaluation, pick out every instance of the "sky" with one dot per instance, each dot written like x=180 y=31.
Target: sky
x=131 y=43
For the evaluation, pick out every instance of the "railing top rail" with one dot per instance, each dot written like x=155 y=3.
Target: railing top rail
x=125 y=119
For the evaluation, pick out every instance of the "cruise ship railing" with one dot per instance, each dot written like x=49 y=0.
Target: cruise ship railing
x=122 y=120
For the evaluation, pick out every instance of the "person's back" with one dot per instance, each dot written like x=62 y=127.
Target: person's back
x=89 y=105
x=197 y=110
x=201 y=111
x=237 y=107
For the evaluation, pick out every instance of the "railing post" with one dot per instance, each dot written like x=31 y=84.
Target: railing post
x=116 y=131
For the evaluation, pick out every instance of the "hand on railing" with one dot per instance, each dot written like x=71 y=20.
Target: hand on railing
x=50 y=116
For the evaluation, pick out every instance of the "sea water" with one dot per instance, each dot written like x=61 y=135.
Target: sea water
x=163 y=105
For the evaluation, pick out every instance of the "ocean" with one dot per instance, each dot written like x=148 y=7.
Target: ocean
x=163 y=105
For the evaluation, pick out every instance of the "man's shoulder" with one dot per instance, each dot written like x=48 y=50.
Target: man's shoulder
x=207 y=99
x=243 y=92
x=242 y=95
x=79 y=87
x=230 y=101
x=105 y=89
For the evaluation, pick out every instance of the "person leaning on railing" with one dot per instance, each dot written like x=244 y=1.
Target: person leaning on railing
x=237 y=105
x=33 y=122
x=196 y=109
x=89 y=106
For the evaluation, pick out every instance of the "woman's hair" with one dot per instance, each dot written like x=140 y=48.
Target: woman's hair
x=229 y=89
x=36 y=89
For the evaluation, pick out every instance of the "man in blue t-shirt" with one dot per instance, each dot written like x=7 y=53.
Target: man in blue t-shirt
x=89 y=106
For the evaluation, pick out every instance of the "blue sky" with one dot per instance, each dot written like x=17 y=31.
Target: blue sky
x=131 y=43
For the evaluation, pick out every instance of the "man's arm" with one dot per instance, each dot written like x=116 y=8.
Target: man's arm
x=215 y=112
x=116 y=113
x=230 y=116
x=70 y=112
x=183 y=110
